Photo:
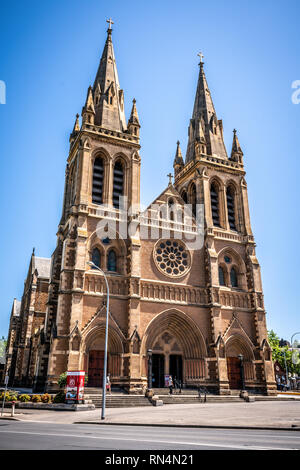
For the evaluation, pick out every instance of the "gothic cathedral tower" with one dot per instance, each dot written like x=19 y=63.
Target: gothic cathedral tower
x=200 y=311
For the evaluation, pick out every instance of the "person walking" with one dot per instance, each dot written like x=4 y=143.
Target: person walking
x=108 y=384
x=170 y=384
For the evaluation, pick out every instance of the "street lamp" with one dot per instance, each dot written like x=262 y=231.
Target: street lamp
x=149 y=352
x=282 y=344
x=241 y=358
x=106 y=340
x=298 y=333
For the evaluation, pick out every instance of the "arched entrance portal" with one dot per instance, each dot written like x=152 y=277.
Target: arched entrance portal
x=166 y=359
x=178 y=349
x=94 y=356
x=236 y=346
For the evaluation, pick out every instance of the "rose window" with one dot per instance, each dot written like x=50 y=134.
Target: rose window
x=172 y=257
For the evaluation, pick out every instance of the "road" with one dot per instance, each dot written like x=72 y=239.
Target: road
x=50 y=436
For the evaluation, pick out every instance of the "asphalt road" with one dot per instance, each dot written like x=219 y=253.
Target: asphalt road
x=50 y=436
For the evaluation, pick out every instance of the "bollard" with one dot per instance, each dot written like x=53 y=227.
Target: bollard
x=13 y=408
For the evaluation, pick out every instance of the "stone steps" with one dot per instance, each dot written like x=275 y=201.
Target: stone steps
x=118 y=400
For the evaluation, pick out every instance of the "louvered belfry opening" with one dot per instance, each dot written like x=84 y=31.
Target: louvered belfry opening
x=98 y=174
x=118 y=183
x=193 y=199
x=214 y=199
x=230 y=208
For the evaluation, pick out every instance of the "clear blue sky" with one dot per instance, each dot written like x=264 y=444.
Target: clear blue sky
x=50 y=52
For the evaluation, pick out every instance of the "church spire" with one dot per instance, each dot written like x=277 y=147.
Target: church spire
x=204 y=127
x=134 y=122
x=236 y=151
x=178 y=160
x=108 y=97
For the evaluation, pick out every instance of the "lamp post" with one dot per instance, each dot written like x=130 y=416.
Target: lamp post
x=241 y=358
x=106 y=340
x=149 y=352
x=298 y=333
x=282 y=344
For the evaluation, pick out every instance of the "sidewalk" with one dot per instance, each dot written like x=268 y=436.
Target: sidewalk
x=273 y=414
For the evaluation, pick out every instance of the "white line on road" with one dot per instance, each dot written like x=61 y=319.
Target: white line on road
x=232 y=446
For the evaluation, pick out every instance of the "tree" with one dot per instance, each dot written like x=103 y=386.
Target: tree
x=278 y=353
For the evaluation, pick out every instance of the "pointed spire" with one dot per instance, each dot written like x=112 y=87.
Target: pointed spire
x=204 y=125
x=178 y=163
x=178 y=160
x=236 y=151
x=134 y=117
x=89 y=104
x=76 y=129
x=110 y=101
x=133 y=126
x=88 y=111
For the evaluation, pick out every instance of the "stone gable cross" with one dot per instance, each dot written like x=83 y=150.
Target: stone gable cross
x=170 y=178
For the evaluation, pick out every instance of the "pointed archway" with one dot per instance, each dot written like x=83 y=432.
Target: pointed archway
x=235 y=346
x=94 y=355
x=178 y=348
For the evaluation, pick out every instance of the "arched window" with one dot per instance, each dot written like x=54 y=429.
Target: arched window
x=214 y=200
x=112 y=261
x=171 y=209
x=193 y=199
x=98 y=177
x=118 y=184
x=233 y=278
x=184 y=196
x=221 y=276
x=96 y=257
x=230 y=207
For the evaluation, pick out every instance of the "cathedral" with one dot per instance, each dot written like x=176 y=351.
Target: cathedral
x=184 y=281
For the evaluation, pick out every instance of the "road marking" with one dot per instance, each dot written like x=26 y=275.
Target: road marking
x=232 y=446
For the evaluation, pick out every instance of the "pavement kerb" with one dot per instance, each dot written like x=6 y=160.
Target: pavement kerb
x=200 y=426
x=10 y=418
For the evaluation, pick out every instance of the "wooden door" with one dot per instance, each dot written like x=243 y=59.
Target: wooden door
x=234 y=373
x=158 y=370
x=96 y=367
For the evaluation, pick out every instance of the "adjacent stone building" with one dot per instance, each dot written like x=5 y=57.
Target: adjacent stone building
x=183 y=275
x=27 y=325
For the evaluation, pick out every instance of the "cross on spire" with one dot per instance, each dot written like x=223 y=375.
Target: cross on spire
x=170 y=176
x=201 y=57
x=110 y=22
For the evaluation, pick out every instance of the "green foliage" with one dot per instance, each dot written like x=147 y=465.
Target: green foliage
x=60 y=397
x=46 y=398
x=24 y=398
x=9 y=396
x=278 y=354
x=36 y=398
x=62 y=381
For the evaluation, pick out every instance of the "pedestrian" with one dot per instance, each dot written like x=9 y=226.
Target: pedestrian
x=108 y=384
x=170 y=384
x=175 y=384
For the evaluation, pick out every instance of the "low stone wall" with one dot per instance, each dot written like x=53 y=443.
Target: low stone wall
x=56 y=406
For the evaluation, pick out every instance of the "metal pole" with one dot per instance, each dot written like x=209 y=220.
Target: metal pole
x=149 y=368
x=286 y=370
x=106 y=341
x=241 y=358
x=105 y=352
x=6 y=381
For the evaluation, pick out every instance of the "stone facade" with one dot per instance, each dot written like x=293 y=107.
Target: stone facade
x=198 y=309
x=27 y=324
